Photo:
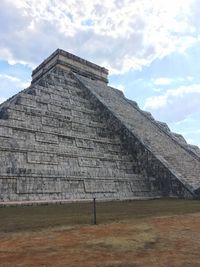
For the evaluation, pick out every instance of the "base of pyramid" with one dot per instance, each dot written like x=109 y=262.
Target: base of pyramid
x=60 y=202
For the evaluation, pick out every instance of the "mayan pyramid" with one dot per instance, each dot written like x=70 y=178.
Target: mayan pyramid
x=70 y=136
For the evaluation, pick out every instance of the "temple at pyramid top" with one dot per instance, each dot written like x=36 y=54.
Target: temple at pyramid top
x=68 y=61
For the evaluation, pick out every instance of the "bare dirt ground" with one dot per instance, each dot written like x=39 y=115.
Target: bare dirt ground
x=165 y=240
x=161 y=241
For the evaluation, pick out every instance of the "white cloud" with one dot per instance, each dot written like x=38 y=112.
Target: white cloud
x=10 y=85
x=162 y=81
x=175 y=104
x=9 y=77
x=121 y=35
x=156 y=102
x=190 y=78
x=157 y=90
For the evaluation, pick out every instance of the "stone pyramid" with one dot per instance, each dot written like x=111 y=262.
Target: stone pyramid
x=70 y=136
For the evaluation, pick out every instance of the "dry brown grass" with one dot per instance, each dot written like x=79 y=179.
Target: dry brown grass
x=150 y=241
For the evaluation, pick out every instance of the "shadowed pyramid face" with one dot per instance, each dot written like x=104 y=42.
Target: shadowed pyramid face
x=69 y=136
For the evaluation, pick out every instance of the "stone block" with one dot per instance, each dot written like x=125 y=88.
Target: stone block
x=42 y=158
x=99 y=186
x=46 y=138
x=89 y=162
x=38 y=185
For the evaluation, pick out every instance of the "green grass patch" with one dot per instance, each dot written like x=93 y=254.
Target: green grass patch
x=31 y=218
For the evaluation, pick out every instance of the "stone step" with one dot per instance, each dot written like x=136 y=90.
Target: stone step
x=156 y=140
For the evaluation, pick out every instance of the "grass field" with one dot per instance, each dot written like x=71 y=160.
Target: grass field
x=163 y=232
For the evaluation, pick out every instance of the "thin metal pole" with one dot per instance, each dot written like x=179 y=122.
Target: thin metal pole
x=94 y=210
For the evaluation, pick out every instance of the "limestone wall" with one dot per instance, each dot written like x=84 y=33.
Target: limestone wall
x=55 y=146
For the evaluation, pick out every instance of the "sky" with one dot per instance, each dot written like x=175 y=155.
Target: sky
x=151 y=48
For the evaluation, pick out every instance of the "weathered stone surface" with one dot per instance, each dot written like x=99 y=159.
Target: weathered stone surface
x=70 y=136
x=173 y=158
